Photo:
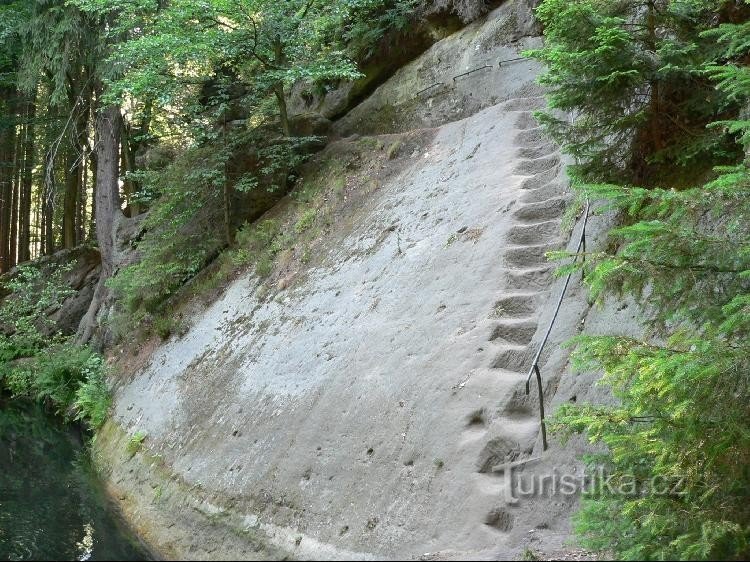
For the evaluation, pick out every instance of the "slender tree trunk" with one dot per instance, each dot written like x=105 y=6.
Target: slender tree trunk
x=278 y=89
x=42 y=246
x=70 y=203
x=79 y=103
x=15 y=193
x=96 y=97
x=92 y=218
x=24 y=235
x=130 y=187
x=83 y=201
x=283 y=112
x=656 y=132
x=83 y=144
x=7 y=148
x=48 y=205
x=38 y=228
x=49 y=224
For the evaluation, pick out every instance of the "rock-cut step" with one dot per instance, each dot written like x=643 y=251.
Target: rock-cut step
x=534 y=233
x=514 y=358
x=540 y=151
x=497 y=451
x=515 y=331
x=522 y=305
x=541 y=180
x=529 y=279
x=519 y=405
x=544 y=210
x=527 y=256
x=512 y=440
x=533 y=136
x=537 y=166
x=526 y=121
x=544 y=193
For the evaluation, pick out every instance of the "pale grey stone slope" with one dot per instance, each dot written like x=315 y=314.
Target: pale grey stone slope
x=359 y=413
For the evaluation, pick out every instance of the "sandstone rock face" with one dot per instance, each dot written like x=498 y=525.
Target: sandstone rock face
x=361 y=411
x=309 y=124
x=454 y=79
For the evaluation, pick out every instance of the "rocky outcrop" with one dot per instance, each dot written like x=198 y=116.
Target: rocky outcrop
x=82 y=279
x=360 y=409
x=82 y=276
x=477 y=67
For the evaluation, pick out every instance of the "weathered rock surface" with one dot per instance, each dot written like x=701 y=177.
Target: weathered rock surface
x=454 y=79
x=361 y=411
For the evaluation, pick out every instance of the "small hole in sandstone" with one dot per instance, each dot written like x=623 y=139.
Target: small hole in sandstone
x=499 y=519
x=236 y=433
x=573 y=398
x=370 y=451
x=477 y=417
x=410 y=462
x=344 y=530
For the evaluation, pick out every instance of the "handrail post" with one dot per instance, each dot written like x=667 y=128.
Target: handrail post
x=541 y=406
x=583 y=254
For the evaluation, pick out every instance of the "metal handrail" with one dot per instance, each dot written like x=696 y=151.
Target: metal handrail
x=430 y=87
x=534 y=369
x=471 y=71
x=500 y=63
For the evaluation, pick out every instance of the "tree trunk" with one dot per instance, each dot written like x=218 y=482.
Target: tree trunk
x=128 y=165
x=83 y=201
x=283 y=113
x=107 y=179
x=15 y=193
x=48 y=205
x=278 y=89
x=24 y=235
x=228 y=230
x=83 y=144
x=7 y=147
x=108 y=213
x=38 y=228
x=79 y=102
x=92 y=218
x=70 y=203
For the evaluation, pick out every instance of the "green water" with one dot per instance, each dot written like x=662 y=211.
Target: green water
x=52 y=507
